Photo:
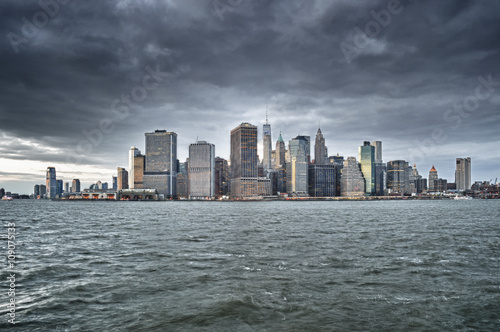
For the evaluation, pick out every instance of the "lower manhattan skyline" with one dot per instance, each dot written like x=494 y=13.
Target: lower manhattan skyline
x=81 y=89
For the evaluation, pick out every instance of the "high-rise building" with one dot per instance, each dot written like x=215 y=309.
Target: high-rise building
x=367 y=162
x=417 y=185
x=433 y=175
x=59 y=188
x=352 y=181
x=201 y=173
x=115 y=182
x=297 y=181
x=51 y=183
x=36 y=191
x=122 y=178
x=136 y=168
x=463 y=174
x=440 y=185
x=161 y=163
x=322 y=180
x=267 y=146
x=398 y=177
x=280 y=152
x=221 y=177
x=378 y=151
x=244 y=161
x=182 y=180
x=338 y=161
x=320 y=150
x=75 y=186
x=2 y=192
x=66 y=187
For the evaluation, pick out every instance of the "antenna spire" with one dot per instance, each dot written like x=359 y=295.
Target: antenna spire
x=267 y=122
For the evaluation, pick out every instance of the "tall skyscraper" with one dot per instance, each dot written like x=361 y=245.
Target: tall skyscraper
x=433 y=176
x=122 y=178
x=75 y=186
x=320 y=150
x=367 y=161
x=280 y=152
x=161 y=162
x=352 y=181
x=221 y=177
x=416 y=183
x=244 y=160
x=115 y=182
x=201 y=174
x=267 y=146
x=59 y=187
x=182 y=180
x=51 y=183
x=398 y=177
x=322 y=180
x=463 y=174
x=136 y=169
x=297 y=169
x=66 y=187
x=338 y=161
x=378 y=151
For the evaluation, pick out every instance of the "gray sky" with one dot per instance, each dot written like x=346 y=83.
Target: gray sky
x=421 y=76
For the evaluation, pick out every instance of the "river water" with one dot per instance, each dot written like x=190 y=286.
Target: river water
x=254 y=266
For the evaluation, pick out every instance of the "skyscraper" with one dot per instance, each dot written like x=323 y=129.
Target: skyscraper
x=59 y=187
x=463 y=174
x=433 y=176
x=322 y=180
x=298 y=167
x=267 y=146
x=352 y=181
x=380 y=169
x=378 y=151
x=201 y=174
x=75 y=186
x=416 y=183
x=244 y=160
x=161 y=162
x=367 y=161
x=221 y=177
x=320 y=150
x=122 y=178
x=66 y=187
x=136 y=168
x=398 y=177
x=280 y=152
x=51 y=183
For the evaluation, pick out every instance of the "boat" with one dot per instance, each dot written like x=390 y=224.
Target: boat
x=459 y=198
x=7 y=198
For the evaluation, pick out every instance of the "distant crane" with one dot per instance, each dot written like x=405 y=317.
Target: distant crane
x=496 y=181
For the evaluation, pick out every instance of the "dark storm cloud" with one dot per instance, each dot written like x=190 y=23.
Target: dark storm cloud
x=217 y=73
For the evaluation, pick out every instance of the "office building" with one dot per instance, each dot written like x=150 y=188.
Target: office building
x=433 y=176
x=367 y=162
x=136 y=168
x=182 y=180
x=201 y=171
x=297 y=169
x=338 y=161
x=244 y=161
x=115 y=182
x=320 y=149
x=50 y=182
x=66 y=187
x=267 y=147
x=59 y=188
x=222 y=177
x=377 y=145
x=280 y=152
x=440 y=185
x=352 y=181
x=122 y=179
x=380 y=170
x=398 y=177
x=161 y=163
x=417 y=185
x=463 y=174
x=322 y=180
x=75 y=186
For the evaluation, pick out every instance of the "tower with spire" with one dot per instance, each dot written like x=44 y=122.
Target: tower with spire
x=320 y=150
x=433 y=176
x=267 y=145
x=280 y=152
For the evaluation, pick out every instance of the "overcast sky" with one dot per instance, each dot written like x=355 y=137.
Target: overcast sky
x=82 y=81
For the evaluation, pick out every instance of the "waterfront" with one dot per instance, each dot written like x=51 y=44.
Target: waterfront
x=256 y=266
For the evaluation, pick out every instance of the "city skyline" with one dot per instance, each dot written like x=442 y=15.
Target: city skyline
x=426 y=84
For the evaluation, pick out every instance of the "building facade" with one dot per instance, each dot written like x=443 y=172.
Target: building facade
x=280 y=152
x=244 y=161
x=463 y=174
x=51 y=182
x=320 y=149
x=367 y=162
x=122 y=178
x=297 y=169
x=201 y=170
x=322 y=180
x=222 y=177
x=160 y=171
x=75 y=186
x=267 y=146
x=352 y=181
x=433 y=176
x=398 y=177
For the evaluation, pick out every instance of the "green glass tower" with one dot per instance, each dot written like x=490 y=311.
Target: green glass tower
x=367 y=161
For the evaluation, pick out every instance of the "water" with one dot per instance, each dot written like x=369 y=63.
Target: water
x=255 y=266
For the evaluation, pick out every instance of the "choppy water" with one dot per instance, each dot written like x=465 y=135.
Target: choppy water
x=255 y=266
